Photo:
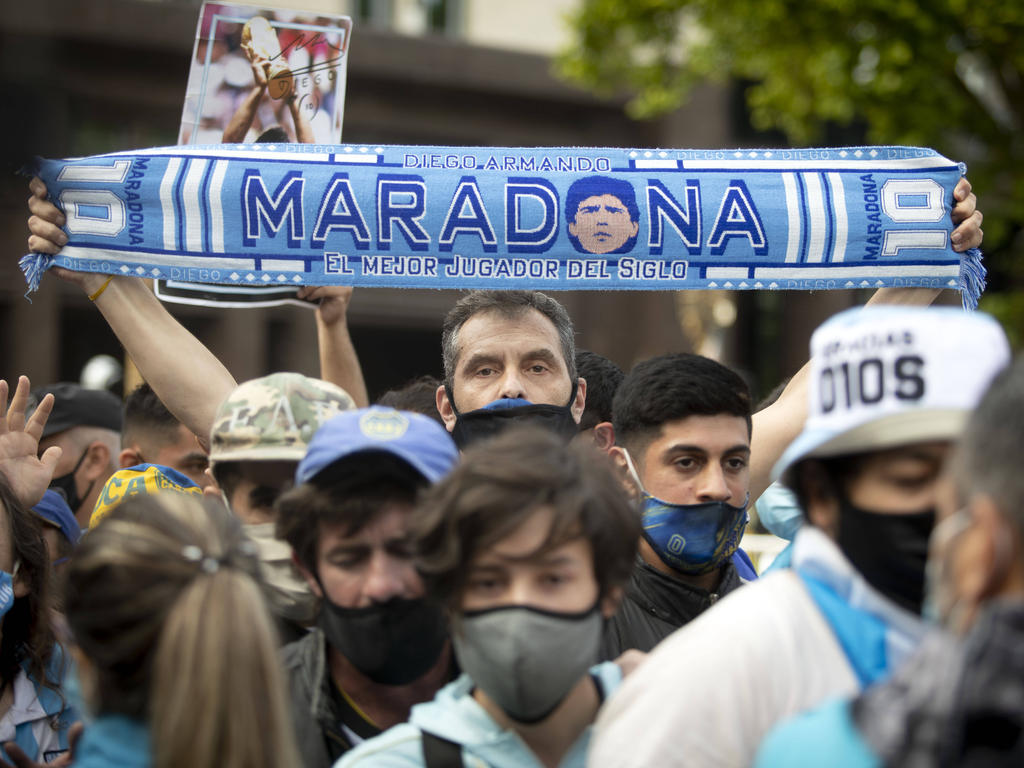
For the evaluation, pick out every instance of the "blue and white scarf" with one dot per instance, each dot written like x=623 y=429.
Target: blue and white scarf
x=549 y=218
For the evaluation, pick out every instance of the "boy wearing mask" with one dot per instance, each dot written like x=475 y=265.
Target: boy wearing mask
x=527 y=543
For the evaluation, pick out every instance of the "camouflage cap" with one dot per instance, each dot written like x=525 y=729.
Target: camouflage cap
x=274 y=418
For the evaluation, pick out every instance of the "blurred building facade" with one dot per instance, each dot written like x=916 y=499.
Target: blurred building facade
x=104 y=75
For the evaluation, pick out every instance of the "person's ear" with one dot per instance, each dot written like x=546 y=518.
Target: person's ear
x=20 y=584
x=129 y=457
x=634 y=228
x=580 y=401
x=97 y=461
x=573 y=229
x=993 y=556
x=610 y=602
x=444 y=407
x=309 y=576
x=604 y=436
x=618 y=457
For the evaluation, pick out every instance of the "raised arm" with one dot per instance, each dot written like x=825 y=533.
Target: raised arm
x=241 y=121
x=185 y=375
x=303 y=128
x=339 y=363
x=777 y=426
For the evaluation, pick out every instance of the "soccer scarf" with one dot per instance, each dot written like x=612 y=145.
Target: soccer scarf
x=544 y=218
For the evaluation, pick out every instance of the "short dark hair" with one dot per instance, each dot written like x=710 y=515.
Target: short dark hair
x=349 y=492
x=828 y=477
x=275 y=134
x=501 y=482
x=596 y=186
x=418 y=395
x=508 y=304
x=671 y=387
x=146 y=417
x=603 y=378
x=987 y=458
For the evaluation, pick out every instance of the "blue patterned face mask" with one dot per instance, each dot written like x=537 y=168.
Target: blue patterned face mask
x=690 y=538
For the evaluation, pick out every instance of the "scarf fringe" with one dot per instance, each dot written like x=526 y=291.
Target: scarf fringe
x=972 y=278
x=34 y=265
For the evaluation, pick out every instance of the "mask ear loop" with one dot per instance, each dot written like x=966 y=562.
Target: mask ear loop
x=632 y=470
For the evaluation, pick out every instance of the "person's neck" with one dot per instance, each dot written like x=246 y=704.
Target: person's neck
x=706 y=581
x=388 y=705
x=552 y=737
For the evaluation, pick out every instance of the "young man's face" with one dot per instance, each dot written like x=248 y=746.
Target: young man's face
x=698 y=459
x=602 y=224
x=904 y=480
x=372 y=565
x=261 y=482
x=502 y=357
x=182 y=453
x=515 y=572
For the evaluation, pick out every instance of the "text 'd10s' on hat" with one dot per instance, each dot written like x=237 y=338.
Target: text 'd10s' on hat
x=881 y=377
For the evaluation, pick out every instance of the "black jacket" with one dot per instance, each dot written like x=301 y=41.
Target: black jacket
x=656 y=605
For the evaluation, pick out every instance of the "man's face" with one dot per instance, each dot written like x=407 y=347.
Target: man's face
x=181 y=453
x=516 y=571
x=372 y=565
x=698 y=459
x=602 y=224
x=897 y=481
x=261 y=482
x=502 y=357
x=92 y=473
x=900 y=481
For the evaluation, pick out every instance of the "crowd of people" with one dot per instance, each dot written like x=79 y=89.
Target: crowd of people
x=534 y=561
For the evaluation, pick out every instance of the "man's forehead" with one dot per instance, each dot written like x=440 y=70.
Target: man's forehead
x=719 y=432
x=495 y=332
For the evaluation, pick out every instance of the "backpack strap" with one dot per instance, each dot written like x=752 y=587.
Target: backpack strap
x=440 y=753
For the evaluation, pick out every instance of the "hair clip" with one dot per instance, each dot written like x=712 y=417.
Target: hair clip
x=194 y=554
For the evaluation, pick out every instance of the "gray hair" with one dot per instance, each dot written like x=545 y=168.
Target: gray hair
x=508 y=304
x=987 y=458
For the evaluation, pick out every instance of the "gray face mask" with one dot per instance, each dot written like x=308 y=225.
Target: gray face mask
x=527 y=659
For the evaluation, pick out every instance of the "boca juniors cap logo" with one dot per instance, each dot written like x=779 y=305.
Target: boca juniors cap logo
x=383 y=425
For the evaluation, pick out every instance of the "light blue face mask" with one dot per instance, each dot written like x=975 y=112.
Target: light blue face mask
x=690 y=538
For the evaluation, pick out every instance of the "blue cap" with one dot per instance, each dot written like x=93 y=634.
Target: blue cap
x=416 y=439
x=54 y=509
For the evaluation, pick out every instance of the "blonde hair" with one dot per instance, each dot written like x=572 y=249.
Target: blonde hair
x=164 y=599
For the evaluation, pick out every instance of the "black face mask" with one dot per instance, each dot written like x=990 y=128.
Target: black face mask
x=488 y=422
x=392 y=643
x=66 y=486
x=889 y=550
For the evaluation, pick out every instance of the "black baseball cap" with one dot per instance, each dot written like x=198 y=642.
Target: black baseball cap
x=76 y=406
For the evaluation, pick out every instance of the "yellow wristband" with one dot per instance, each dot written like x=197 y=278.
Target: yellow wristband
x=103 y=287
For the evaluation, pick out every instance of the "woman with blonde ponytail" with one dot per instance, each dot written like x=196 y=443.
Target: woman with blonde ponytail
x=176 y=651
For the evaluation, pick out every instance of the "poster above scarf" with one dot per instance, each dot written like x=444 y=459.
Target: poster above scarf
x=543 y=218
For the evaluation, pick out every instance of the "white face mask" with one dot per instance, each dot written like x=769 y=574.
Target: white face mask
x=287 y=592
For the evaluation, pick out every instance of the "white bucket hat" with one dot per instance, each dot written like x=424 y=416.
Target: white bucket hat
x=882 y=377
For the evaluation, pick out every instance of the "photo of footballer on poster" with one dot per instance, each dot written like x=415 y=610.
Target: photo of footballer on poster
x=261 y=75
